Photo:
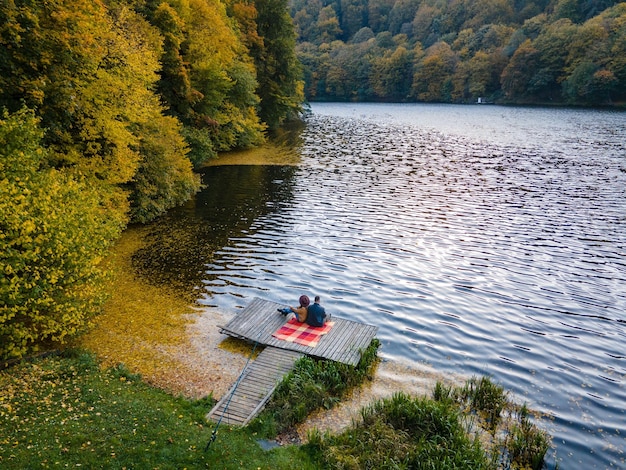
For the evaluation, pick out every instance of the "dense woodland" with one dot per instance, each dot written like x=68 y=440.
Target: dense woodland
x=105 y=108
x=508 y=51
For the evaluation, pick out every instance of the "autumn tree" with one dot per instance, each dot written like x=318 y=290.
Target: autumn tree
x=305 y=15
x=313 y=69
x=425 y=24
x=66 y=60
x=164 y=177
x=208 y=77
x=89 y=72
x=401 y=16
x=340 y=84
x=175 y=82
x=327 y=26
x=552 y=44
x=485 y=12
x=392 y=74
x=280 y=86
x=591 y=72
x=432 y=80
x=589 y=84
x=353 y=17
x=378 y=14
x=54 y=233
x=615 y=19
x=518 y=74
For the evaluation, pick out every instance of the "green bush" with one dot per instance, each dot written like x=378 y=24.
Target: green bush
x=420 y=432
x=403 y=432
x=54 y=231
x=312 y=384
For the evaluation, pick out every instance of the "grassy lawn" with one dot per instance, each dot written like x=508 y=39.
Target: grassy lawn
x=66 y=412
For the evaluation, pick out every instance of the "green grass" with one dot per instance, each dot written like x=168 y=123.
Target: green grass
x=312 y=384
x=403 y=432
x=65 y=411
x=526 y=444
x=486 y=398
x=446 y=431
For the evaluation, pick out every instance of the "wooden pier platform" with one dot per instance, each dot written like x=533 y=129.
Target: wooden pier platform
x=260 y=319
x=256 y=323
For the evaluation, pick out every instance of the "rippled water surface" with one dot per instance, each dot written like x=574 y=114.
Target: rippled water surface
x=480 y=239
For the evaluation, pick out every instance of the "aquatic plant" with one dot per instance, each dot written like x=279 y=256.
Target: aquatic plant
x=525 y=443
x=485 y=397
x=403 y=432
x=472 y=426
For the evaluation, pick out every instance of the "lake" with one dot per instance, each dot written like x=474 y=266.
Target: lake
x=482 y=240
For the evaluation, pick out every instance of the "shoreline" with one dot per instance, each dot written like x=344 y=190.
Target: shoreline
x=178 y=348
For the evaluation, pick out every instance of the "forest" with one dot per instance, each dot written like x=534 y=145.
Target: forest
x=564 y=52
x=106 y=107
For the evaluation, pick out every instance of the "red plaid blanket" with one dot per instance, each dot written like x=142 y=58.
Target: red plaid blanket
x=302 y=333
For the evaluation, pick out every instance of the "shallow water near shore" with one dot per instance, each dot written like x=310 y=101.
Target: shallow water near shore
x=480 y=239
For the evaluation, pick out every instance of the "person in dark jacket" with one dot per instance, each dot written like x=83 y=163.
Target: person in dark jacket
x=316 y=314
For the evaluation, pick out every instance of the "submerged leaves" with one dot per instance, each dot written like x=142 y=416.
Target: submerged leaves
x=142 y=325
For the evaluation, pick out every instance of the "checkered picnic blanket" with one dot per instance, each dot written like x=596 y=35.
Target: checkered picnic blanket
x=295 y=332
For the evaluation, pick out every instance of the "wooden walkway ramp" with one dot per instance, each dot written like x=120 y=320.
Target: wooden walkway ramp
x=251 y=392
x=256 y=323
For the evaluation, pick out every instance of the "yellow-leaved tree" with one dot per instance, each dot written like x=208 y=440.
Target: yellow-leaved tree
x=90 y=71
x=208 y=79
x=54 y=232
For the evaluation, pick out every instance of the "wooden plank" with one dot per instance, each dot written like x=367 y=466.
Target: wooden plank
x=357 y=343
x=361 y=339
x=258 y=379
x=368 y=335
x=260 y=319
x=335 y=349
x=339 y=338
x=234 y=415
x=347 y=352
x=235 y=411
x=256 y=322
x=261 y=405
x=250 y=393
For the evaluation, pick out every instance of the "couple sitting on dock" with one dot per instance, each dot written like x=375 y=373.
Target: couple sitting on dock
x=314 y=315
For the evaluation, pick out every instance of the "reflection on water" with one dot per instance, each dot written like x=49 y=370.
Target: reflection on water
x=477 y=256
x=182 y=243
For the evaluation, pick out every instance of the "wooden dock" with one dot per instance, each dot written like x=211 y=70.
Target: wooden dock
x=247 y=397
x=256 y=323
x=260 y=319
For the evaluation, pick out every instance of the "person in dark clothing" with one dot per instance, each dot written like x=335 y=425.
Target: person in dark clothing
x=316 y=314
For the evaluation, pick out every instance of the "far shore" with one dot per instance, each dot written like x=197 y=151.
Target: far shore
x=267 y=154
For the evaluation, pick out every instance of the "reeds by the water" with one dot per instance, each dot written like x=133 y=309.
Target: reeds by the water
x=473 y=426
